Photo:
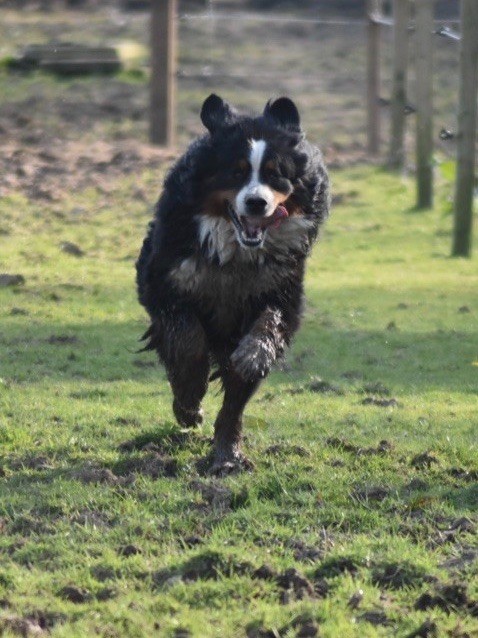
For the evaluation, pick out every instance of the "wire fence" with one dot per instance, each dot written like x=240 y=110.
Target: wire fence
x=320 y=61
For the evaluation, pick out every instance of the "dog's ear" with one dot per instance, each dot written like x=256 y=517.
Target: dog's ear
x=283 y=112
x=215 y=113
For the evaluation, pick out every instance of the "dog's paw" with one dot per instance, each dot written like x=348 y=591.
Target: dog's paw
x=187 y=418
x=253 y=358
x=221 y=467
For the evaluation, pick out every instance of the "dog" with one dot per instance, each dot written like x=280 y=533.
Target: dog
x=221 y=269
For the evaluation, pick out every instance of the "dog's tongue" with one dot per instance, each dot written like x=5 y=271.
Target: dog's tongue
x=275 y=219
x=279 y=215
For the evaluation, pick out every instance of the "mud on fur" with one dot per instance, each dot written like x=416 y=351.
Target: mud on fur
x=221 y=269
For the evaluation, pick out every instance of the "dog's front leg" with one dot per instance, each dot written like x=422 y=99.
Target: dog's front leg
x=249 y=364
x=261 y=346
x=227 y=455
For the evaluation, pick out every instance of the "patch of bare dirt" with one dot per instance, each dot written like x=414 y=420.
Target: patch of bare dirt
x=423 y=460
x=399 y=575
x=214 y=493
x=208 y=565
x=75 y=594
x=450 y=598
x=48 y=170
x=375 y=617
x=95 y=474
x=151 y=464
x=384 y=447
x=380 y=402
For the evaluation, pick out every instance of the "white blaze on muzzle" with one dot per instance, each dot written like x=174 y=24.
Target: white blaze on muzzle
x=255 y=188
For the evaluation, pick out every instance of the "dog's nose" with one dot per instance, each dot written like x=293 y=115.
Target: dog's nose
x=255 y=205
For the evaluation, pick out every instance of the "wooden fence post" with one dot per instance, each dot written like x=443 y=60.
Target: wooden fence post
x=424 y=15
x=401 y=14
x=463 y=219
x=163 y=72
x=373 y=76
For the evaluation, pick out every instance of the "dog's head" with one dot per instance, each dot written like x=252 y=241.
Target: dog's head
x=254 y=167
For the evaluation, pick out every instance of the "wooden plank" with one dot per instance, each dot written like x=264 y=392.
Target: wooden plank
x=68 y=58
x=466 y=139
x=373 y=77
x=424 y=11
x=401 y=14
x=163 y=72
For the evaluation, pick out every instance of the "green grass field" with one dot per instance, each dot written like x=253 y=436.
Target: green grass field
x=360 y=517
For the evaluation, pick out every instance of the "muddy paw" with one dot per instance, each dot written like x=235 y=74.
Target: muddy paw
x=236 y=465
x=253 y=358
x=187 y=418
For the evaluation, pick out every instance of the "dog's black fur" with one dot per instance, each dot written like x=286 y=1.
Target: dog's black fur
x=221 y=277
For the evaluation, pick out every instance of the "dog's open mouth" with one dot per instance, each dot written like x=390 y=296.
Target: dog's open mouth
x=251 y=230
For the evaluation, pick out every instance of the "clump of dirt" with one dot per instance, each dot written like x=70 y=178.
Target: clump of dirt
x=375 y=617
x=279 y=449
x=25 y=627
x=75 y=594
x=468 y=476
x=192 y=541
x=104 y=572
x=62 y=340
x=376 y=389
x=449 y=598
x=129 y=550
x=304 y=626
x=95 y=474
x=152 y=441
x=466 y=556
x=216 y=495
x=11 y=280
x=292 y=581
x=31 y=462
x=264 y=572
x=332 y=567
x=375 y=493
x=317 y=385
x=208 y=565
x=151 y=464
x=71 y=248
x=304 y=552
x=423 y=460
x=384 y=447
x=427 y=629
x=380 y=402
x=399 y=575
x=355 y=599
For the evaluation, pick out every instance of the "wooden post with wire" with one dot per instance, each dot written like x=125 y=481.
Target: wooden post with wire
x=464 y=187
x=373 y=76
x=424 y=15
x=163 y=72
x=401 y=14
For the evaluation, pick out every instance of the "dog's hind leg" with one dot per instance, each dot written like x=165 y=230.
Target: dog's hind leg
x=183 y=348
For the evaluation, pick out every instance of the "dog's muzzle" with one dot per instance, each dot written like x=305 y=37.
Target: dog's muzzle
x=251 y=230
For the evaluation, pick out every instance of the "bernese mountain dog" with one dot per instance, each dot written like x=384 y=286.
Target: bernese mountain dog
x=221 y=268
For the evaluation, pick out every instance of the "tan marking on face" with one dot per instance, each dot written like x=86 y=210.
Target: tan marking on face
x=293 y=207
x=279 y=198
x=215 y=203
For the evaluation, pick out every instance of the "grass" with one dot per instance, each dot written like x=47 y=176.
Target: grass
x=364 y=481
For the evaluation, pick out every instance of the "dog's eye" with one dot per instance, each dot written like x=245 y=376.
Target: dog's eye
x=240 y=170
x=271 y=172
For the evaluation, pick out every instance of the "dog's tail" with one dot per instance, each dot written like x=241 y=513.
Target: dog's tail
x=152 y=337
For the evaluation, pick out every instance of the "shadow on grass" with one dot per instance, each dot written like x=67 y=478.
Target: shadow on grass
x=106 y=352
